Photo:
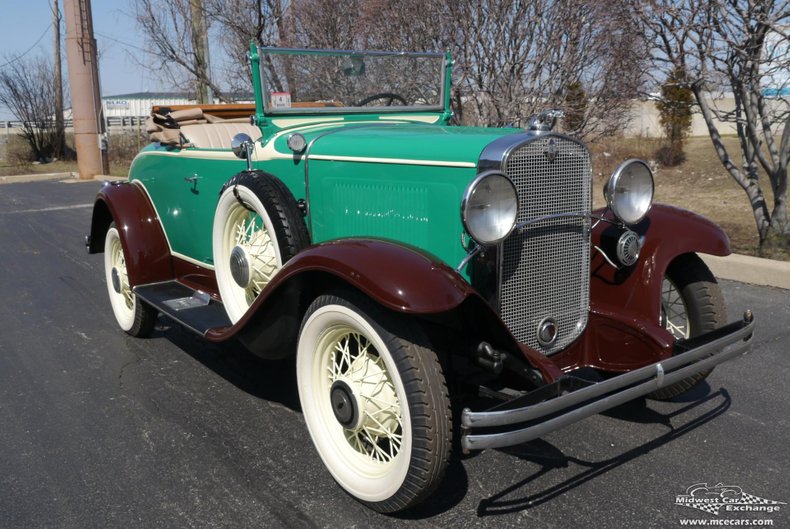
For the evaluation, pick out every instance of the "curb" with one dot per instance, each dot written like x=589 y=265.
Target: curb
x=69 y=178
x=35 y=177
x=747 y=269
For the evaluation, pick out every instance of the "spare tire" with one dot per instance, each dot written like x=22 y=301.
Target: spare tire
x=257 y=228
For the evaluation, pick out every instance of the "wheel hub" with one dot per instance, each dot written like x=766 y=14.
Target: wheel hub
x=116 y=280
x=240 y=266
x=344 y=404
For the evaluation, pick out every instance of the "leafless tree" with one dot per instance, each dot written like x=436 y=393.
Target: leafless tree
x=738 y=47
x=239 y=22
x=516 y=58
x=167 y=27
x=26 y=89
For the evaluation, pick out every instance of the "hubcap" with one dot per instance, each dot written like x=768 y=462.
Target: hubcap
x=344 y=405
x=240 y=266
x=116 y=280
x=363 y=397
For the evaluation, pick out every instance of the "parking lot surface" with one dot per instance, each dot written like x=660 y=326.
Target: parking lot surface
x=98 y=429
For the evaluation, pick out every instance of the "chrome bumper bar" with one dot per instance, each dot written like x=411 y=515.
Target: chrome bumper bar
x=571 y=399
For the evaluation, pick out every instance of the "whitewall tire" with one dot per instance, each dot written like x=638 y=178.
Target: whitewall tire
x=133 y=315
x=374 y=400
x=257 y=229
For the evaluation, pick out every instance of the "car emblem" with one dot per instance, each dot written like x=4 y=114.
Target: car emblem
x=552 y=150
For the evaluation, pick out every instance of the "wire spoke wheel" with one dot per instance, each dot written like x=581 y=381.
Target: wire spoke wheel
x=374 y=401
x=378 y=434
x=257 y=229
x=674 y=314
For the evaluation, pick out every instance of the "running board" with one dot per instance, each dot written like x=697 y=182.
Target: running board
x=193 y=309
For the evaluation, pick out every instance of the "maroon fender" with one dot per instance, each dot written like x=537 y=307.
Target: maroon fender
x=400 y=278
x=147 y=252
x=624 y=332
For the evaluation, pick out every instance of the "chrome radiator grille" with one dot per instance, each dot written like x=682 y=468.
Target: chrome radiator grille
x=545 y=266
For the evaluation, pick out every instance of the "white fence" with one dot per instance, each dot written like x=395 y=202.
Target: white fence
x=114 y=125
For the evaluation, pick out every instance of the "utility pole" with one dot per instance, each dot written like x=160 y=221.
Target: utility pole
x=200 y=49
x=60 y=127
x=85 y=93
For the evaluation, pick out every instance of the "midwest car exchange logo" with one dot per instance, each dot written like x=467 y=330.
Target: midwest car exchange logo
x=728 y=498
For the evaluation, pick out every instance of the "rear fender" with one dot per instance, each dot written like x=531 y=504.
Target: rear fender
x=147 y=253
x=400 y=278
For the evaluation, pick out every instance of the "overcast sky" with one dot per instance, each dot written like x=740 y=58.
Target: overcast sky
x=26 y=27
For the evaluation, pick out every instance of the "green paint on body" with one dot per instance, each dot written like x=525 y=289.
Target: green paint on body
x=370 y=178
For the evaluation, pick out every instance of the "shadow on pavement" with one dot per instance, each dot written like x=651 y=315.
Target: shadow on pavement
x=549 y=457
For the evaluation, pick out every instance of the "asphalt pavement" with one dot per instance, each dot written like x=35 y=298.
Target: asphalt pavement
x=98 y=429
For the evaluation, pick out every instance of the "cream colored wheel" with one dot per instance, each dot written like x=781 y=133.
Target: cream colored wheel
x=132 y=315
x=360 y=385
x=257 y=229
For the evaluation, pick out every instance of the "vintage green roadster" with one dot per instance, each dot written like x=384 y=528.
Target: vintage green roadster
x=435 y=283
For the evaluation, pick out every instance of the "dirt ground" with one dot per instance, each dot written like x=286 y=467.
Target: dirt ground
x=700 y=184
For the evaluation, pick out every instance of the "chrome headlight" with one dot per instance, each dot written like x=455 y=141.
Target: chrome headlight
x=489 y=208
x=629 y=191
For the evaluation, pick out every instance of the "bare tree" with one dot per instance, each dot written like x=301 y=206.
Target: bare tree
x=517 y=58
x=26 y=89
x=734 y=46
x=264 y=22
x=167 y=26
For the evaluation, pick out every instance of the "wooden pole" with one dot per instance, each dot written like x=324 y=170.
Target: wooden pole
x=85 y=95
x=60 y=127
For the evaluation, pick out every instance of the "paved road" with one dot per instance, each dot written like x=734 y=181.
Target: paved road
x=98 y=429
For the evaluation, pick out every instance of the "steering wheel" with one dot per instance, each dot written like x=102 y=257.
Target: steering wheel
x=382 y=95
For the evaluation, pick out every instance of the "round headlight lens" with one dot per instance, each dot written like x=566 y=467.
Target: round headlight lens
x=489 y=208
x=629 y=192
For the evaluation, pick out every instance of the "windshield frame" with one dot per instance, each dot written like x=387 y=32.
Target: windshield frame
x=260 y=79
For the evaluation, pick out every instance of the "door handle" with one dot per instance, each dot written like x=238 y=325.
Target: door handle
x=191 y=179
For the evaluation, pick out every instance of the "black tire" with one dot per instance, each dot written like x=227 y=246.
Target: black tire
x=704 y=305
x=277 y=233
x=133 y=315
x=378 y=342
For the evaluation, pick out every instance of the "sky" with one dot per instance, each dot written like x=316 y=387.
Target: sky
x=120 y=43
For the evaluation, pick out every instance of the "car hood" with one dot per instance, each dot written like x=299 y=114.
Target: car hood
x=408 y=143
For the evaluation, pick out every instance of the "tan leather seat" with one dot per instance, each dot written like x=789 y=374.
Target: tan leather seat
x=217 y=135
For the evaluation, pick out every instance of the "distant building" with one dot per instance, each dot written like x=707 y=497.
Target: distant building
x=138 y=104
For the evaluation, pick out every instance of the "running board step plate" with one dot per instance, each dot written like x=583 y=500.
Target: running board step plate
x=193 y=309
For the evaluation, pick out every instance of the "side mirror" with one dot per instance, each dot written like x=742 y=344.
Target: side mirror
x=241 y=145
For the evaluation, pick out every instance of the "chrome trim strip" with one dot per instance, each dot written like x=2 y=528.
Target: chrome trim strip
x=648 y=378
x=494 y=155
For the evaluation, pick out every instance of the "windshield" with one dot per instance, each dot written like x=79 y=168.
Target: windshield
x=298 y=81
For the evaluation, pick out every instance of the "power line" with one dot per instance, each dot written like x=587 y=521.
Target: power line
x=122 y=42
x=29 y=49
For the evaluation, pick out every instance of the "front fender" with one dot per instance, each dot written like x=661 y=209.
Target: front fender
x=668 y=232
x=625 y=304
x=400 y=278
x=146 y=250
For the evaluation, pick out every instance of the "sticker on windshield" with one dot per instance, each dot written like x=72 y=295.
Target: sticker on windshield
x=281 y=100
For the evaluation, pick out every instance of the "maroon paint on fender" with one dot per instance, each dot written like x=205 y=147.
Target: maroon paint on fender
x=625 y=303
x=147 y=253
x=402 y=279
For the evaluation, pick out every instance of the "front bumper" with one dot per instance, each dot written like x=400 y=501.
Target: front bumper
x=571 y=399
